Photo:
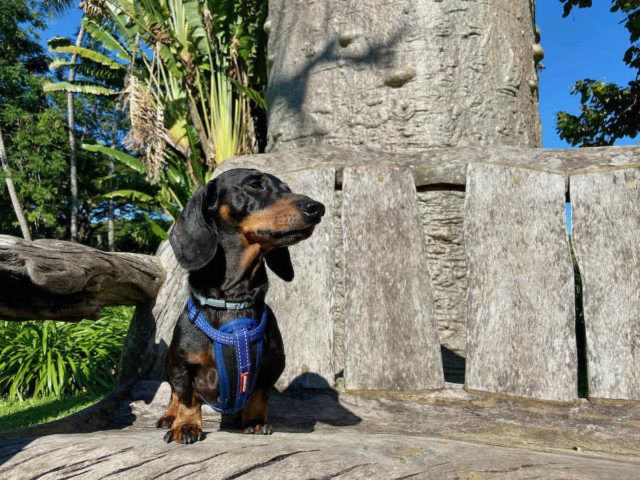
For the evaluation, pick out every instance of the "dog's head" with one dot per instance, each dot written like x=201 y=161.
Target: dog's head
x=257 y=207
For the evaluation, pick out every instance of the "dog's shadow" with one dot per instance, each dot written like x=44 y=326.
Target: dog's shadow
x=298 y=410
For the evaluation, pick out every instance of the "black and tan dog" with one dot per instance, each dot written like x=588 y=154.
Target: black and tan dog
x=223 y=237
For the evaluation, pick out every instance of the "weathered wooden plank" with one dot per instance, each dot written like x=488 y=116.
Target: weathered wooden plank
x=606 y=240
x=391 y=338
x=434 y=166
x=57 y=280
x=303 y=307
x=521 y=332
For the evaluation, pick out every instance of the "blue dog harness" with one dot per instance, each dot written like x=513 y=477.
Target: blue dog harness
x=237 y=374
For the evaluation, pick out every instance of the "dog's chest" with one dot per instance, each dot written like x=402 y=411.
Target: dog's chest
x=206 y=379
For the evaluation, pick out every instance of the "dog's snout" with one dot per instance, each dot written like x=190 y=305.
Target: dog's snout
x=311 y=208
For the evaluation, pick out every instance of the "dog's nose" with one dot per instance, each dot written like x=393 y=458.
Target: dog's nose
x=311 y=208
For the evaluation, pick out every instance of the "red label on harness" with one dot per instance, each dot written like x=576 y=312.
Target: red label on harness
x=244 y=382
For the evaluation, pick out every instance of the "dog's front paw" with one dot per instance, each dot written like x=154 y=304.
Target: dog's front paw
x=165 y=421
x=185 y=433
x=259 y=429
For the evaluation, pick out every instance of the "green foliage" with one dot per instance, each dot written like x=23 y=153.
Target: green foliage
x=37 y=151
x=167 y=195
x=21 y=56
x=607 y=111
x=129 y=160
x=52 y=359
x=201 y=63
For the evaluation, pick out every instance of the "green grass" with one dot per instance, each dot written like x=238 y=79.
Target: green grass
x=34 y=411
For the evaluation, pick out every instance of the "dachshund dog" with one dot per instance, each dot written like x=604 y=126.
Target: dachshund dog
x=231 y=227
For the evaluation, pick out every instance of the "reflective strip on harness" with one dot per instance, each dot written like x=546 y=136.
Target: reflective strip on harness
x=238 y=334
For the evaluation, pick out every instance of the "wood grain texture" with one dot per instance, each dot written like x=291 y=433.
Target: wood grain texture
x=303 y=307
x=449 y=434
x=57 y=280
x=151 y=328
x=434 y=166
x=521 y=320
x=391 y=338
x=606 y=241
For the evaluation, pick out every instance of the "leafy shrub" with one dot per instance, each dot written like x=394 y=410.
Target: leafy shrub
x=51 y=359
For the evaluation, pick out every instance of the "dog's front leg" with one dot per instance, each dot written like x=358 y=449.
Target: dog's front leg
x=254 y=415
x=187 y=424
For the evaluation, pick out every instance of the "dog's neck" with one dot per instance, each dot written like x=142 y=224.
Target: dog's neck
x=239 y=276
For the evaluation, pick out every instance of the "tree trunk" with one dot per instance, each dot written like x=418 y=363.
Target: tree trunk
x=24 y=227
x=73 y=175
x=402 y=76
x=111 y=233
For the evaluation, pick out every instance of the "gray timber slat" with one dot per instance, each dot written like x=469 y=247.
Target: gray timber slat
x=303 y=307
x=606 y=240
x=391 y=337
x=521 y=332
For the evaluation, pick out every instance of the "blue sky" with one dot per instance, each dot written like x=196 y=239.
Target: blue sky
x=589 y=43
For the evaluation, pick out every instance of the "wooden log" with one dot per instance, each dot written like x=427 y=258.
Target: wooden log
x=391 y=338
x=303 y=307
x=57 y=280
x=606 y=240
x=151 y=328
x=521 y=320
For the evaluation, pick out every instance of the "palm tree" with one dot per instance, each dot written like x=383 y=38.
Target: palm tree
x=92 y=9
x=55 y=8
x=73 y=160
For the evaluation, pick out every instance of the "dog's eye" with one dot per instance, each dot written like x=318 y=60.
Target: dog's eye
x=256 y=185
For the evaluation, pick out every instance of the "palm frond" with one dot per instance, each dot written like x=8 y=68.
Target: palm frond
x=79 y=87
x=105 y=38
x=89 y=54
x=129 y=160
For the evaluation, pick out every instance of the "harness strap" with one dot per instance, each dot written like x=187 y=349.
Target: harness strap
x=239 y=334
x=217 y=335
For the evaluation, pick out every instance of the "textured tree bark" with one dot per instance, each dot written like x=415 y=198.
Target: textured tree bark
x=15 y=201
x=56 y=280
x=606 y=239
x=521 y=319
x=402 y=76
x=73 y=161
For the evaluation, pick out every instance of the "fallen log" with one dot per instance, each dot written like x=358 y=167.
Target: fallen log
x=57 y=280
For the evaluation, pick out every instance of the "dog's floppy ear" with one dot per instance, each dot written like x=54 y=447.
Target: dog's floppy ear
x=279 y=261
x=193 y=239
